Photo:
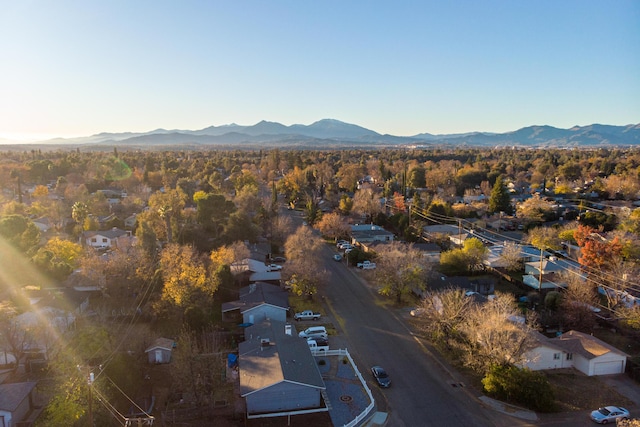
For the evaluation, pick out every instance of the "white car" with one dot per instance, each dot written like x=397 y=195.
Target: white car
x=417 y=312
x=274 y=267
x=609 y=414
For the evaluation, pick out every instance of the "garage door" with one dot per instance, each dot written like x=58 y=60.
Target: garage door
x=605 y=368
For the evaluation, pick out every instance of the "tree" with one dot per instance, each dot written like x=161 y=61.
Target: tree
x=443 y=313
x=595 y=250
x=303 y=246
x=20 y=232
x=578 y=304
x=469 y=259
x=79 y=211
x=59 y=257
x=184 y=274
x=213 y=211
x=512 y=256
x=522 y=386
x=400 y=268
x=366 y=203
x=543 y=238
x=492 y=337
x=535 y=209
x=333 y=225
x=240 y=227
x=198 y=365
x=499 y=201
x=303 y=268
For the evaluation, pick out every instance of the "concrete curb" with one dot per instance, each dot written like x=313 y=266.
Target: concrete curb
x=507 y=409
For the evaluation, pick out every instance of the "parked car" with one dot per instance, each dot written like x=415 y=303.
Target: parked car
x=274 y=267
x=344 y=246
x=279 y=260
x=307 y=315
x=609 y=414
x=314 y=331
x=381 y=376
x=417 y=312
x=341 y=242
x=366 y=265
x=319 y=340
x=337 y=257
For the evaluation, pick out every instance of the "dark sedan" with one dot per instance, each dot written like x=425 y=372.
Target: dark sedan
x=381 y=376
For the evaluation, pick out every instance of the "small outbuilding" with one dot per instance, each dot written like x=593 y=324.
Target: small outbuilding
x=160 y=351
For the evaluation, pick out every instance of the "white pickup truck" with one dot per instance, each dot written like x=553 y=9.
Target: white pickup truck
x=307 y=315
x=314 y=347
x=366 y=265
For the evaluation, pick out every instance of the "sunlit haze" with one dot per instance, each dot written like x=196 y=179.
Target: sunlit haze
x=79 y=68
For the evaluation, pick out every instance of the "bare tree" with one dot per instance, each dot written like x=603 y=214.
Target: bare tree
x=495 y=333
x=303 y=269
x=443 y=312
x=366 y=203
x=399 y=269
x=333 y=225
x=512 y=256
x=578 y=303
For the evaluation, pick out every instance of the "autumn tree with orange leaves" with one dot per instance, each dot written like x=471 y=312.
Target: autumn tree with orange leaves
x=595 y=250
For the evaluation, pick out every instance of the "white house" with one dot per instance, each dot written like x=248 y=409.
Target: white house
x=574 y=349
x=367 y=233
x=105 y=239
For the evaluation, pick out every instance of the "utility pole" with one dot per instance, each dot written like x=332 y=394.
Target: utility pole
x=90 y=380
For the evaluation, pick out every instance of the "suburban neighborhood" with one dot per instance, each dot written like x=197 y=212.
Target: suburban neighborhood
x=318 y=288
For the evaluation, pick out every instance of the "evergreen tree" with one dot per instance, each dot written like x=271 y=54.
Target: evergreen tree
x=499 y=201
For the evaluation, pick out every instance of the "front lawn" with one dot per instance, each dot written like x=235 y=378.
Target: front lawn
x=578 y=392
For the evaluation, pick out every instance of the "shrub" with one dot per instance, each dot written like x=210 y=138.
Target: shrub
x=521 y=386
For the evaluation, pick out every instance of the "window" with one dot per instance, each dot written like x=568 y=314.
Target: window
x=556 y=356
x=569 y=356
x=94 y=240
x=104 y=240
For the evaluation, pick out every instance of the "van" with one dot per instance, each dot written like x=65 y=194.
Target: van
x=313 y=332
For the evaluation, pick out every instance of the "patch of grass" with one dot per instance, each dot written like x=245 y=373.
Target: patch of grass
x=577 y=392
x=300 y=303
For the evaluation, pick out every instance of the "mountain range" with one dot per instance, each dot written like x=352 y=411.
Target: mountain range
x=330 y=133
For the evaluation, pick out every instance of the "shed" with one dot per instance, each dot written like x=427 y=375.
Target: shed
x=160 y=351
x=16 y=402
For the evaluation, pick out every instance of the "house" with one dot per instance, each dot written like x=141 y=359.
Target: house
x=17 y=403
x=106 y=239
x=527 y=253
x=278 y=374
x=258 y=302
x=433 y=232
x=160 y=351
x=130 y=221
x=578 y=350
x=429 y=251
x=459 y=239
x=367 y=233
x=551 y=269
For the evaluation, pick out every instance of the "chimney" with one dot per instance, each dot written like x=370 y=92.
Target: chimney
x=264 y=342
x=287 y=329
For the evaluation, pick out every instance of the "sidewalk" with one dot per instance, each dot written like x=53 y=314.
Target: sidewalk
x=508 y=409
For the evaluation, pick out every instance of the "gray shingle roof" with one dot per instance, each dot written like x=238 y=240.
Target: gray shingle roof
x=11 y=395
x=270 y=356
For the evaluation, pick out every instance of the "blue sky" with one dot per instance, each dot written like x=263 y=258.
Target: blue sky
x=73 y=68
